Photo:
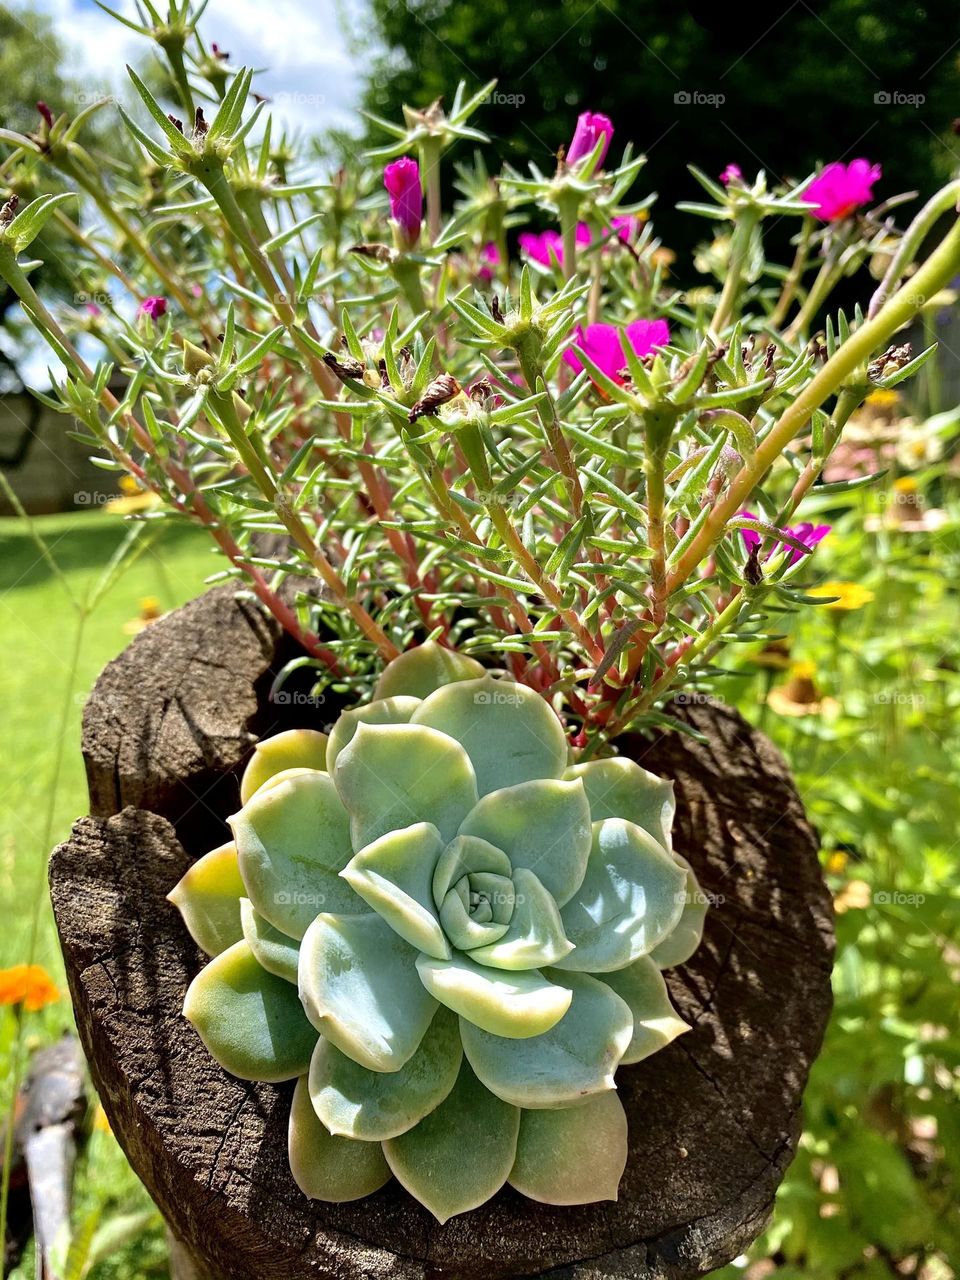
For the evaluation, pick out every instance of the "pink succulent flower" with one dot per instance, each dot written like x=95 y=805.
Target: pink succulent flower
x=840 y=189
x=601 y=342
x=808 y=534
x=591 y=127
x=545 y=246
x=732 y=173
x=154 y=307
x=402 y=180
x=489 y=261
x=626 y=226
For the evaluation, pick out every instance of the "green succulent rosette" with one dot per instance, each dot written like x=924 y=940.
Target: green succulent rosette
x=450 y=936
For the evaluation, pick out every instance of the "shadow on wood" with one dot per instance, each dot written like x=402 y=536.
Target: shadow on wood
x=714 y=1118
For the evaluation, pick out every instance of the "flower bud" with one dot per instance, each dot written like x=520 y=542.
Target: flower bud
x=154 y=307
x=591 y=127
x=402 y=180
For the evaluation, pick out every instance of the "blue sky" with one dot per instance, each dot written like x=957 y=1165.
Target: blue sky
x=309 y=73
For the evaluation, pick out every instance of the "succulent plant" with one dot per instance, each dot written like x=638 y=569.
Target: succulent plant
x=449 y=935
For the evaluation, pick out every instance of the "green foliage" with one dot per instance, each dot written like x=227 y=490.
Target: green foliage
x=444 y=939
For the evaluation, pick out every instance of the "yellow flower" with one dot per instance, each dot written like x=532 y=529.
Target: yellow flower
x=29 y=985
x=837 y=862
x=842 y=596
x=882 y=398
x=800 y=695
x=150 y=611
x=855 y=895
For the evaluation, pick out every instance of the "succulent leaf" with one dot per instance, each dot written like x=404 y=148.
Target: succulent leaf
x=535 y=936
x=679 y=945
x=328 y=1167
x=620 y=788
x=514 y=1005
x=655 y=1021
x=460 y=1154
x=542 y=825
x=464 y=856
x=384 y=711
x=294 y=749
x=630 y=899
x=509 y=732
x=208 y=898
x=572 y=1155
x=420 y=671
x=574 y=1059
x=393 y=775
x=373 y=1105
x=250 y=1020
x=293 y=838
x=360 y=988
x=274 y=950
x=394 y=876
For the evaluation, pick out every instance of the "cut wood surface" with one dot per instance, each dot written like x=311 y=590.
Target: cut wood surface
x=714 y=1118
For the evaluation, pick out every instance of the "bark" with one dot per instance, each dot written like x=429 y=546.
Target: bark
x=714 y=1119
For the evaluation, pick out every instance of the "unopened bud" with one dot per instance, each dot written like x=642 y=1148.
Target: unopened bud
x=46 y=113
x=195 y=359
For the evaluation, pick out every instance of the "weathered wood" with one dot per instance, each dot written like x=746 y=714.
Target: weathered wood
x=714 y=1119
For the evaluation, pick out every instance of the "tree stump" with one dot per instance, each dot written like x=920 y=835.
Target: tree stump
x=714 y=1118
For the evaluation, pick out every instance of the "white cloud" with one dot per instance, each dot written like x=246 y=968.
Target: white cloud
x=307 y=70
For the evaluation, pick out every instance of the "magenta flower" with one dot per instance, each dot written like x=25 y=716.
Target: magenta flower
x=840 y=189
x=601 y=342
x=625 y=226
x=489 y=261
x=154 y=307
x=591 y=127
x=732 y=173
x=808 y=534
x=546 y=246
x=46 y=113
x=402 y=180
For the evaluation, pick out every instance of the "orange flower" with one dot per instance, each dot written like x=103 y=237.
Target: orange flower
x=29 y=985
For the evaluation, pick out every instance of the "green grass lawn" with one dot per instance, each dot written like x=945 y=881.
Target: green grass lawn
x=38 y=625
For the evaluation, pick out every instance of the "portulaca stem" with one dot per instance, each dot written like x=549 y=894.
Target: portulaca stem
x=726 y=310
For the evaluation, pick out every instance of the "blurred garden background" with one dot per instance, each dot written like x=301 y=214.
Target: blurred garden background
x=862 y=694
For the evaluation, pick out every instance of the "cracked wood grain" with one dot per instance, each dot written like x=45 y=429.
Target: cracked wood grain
x=714 y=1119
